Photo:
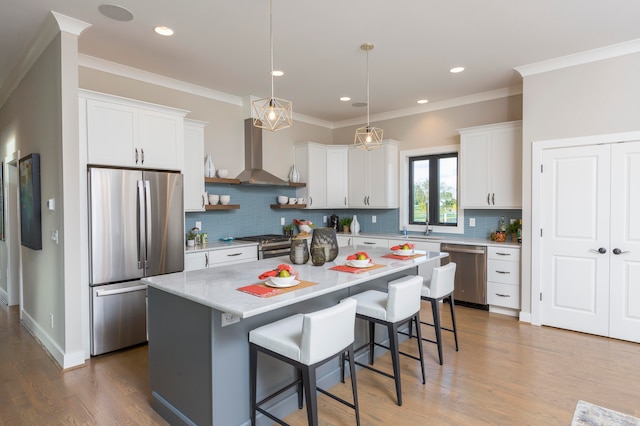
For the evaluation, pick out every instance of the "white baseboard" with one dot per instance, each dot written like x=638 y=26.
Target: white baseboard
x=525 y=317
x=503 y=311
x=4 y=297
x=63 y=359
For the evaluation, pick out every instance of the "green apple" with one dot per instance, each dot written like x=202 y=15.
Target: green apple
x=284 y=274
x=362 y=257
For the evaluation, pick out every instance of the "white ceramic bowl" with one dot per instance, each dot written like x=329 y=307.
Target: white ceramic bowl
x=223 y=173
x=360 y=263
x=213 y=199
x=305 y=228
x=404 y=252
x=283 y=199
x=293 y=200
x=282 y=281
x=224 y=199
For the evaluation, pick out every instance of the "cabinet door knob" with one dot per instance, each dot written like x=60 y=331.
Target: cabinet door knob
x=206 y=260
x=493 y=196
x=489 y=199
x=136 y=155
x=142 y=152
x=618 y=251
x=601 y=250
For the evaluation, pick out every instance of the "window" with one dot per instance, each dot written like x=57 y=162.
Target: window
x=433 y=190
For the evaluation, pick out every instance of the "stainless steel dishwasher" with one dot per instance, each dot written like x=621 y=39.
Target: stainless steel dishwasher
x=471 y=273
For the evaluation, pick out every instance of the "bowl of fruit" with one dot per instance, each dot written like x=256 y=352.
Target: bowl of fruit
x=359 y=260
x=285 y=276
x=404 y=249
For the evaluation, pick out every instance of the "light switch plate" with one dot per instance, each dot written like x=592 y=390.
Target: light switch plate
x=199 y=225
x=472 y=222
x=373 y=219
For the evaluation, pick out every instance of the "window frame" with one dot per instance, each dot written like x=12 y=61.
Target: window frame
x=405 y=157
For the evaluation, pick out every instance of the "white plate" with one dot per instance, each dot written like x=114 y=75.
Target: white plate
x=270 y=283
x=369 y=265
x=404 y=252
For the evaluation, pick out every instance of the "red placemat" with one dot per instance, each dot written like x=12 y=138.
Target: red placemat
x=351 y=269
x=397 y=256
x=263 y=290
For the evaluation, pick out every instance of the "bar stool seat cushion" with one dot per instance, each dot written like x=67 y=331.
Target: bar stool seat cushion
x=283 y=337
x=309 y=338
x=372 y=303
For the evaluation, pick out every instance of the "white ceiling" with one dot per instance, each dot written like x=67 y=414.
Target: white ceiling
x=224 y=45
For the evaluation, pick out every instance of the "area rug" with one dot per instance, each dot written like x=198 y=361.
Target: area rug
x=587 y=414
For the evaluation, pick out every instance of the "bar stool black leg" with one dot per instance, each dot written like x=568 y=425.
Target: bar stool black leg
x=299 y=387
x=309 y=379
x=435 y=308
x=420 y=348
x=253 y=370
x=352 y=370
x=372 y=336
x=453 y=320
x=395 y=359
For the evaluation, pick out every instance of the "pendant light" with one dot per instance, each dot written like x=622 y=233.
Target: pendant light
x=368 y=137
x=272 y=113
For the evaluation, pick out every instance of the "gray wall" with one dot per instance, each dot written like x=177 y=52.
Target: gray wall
x=595 y=98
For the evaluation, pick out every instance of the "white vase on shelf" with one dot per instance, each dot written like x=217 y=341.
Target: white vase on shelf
x=209 y=168
x=355 y=226
x=294 y=176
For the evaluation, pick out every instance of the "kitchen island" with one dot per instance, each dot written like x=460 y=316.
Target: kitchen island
x=199 y=322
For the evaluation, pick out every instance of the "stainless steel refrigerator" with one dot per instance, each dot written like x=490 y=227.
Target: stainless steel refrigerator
x=136 y=223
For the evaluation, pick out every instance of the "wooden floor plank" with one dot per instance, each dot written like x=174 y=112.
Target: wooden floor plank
x=505 y=373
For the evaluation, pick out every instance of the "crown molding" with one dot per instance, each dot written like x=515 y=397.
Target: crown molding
x=52 y=25
x=157 y=79
x=435 y=106
x=581 y=58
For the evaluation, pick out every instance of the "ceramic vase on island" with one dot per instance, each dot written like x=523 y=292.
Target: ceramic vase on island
x=209 y=168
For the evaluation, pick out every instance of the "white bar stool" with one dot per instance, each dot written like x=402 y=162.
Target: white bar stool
x=305 y=341
x=439 y=287
x=399 y=306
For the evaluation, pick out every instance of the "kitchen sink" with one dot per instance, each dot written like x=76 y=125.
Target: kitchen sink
x=422 y=237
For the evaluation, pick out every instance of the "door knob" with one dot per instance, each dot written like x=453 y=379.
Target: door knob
x=618 y=251
x=601 y=250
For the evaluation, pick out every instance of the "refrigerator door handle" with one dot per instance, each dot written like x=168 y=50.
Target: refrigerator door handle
x=142 y=256
x=147 y=227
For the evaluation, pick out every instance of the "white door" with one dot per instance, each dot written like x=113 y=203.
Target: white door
x=575 y=238
x=625 y=242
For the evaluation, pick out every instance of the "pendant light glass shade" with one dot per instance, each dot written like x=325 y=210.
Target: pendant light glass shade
x=368 y=137
x=272 y=113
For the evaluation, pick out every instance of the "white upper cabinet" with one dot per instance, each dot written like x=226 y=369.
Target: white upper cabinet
x=491 y=166
x=324 y=170
x=373 y=176
x=128 y=133
x=193 y=165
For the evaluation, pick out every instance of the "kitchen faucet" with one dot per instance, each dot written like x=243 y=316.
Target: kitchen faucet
x=427 y=230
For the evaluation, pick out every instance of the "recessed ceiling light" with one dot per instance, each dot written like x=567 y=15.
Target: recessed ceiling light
x=423 y=101
x=456 y=70
x=117 y=13
x=277 y=73
x=345 y=99
x=163 y=31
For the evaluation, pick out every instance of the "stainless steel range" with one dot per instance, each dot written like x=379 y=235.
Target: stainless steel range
x=270 y=245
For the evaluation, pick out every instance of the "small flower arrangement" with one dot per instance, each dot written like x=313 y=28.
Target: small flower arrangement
x=304 y=226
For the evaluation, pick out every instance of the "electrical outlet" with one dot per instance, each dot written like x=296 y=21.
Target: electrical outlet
x=282 y=221
x=54 y=236
x=472 y=222
x=199 y=225
x=324 y=219
x=228 y=319
x=51 y=319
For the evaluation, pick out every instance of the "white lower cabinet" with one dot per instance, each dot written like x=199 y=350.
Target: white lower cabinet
x=219 y=257
x=503 y=277
x=343 y=240
x=369 y=242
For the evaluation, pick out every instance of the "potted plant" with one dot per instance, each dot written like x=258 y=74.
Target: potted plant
x=288 y=229
x=345 y=223
x=513 y=230
x=191 y=238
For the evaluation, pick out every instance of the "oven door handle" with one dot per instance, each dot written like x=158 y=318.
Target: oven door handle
x=274 y=253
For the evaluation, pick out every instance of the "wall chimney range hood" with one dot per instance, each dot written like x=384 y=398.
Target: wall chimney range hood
x=253 y=173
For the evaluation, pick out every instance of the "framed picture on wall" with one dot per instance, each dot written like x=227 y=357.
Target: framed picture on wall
x=2 y=201
x=30 y=208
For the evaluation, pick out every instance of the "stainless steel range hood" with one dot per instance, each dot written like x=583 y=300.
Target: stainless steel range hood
x=253 y=173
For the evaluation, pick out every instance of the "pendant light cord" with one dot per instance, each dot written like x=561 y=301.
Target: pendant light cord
x=368 y=89
x=271 y=41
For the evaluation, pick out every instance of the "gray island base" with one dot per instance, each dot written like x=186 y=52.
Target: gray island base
x=199 y=325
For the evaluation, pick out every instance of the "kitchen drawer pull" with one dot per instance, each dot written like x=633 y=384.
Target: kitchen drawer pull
x=142 y=155
x=136 y=155
x=206 y=260
x=101 y=293
x=368 y=242
x=234 y=254
x=503 y=295
x=503 y=272
x=503 y=254
x=489 y=199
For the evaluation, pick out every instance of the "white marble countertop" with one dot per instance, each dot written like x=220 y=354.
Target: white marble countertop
x=219 y=245
x=217 y=287
x=452 y=239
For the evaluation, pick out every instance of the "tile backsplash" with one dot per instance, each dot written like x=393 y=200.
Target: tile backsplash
x=256 y=217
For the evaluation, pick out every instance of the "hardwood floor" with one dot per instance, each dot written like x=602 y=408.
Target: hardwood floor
x=506 y=373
